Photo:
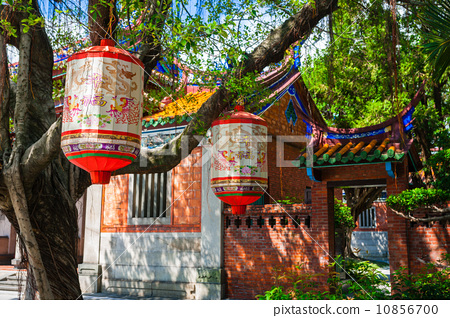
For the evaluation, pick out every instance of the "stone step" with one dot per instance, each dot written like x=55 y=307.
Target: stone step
x=11 y=287
x=15 y=278
x=12 y=282
x=169 y=290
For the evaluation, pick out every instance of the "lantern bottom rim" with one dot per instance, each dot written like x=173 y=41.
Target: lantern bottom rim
x=238 y=209
x=100 y=177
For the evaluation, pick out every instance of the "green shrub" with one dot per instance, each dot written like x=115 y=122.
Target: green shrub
x=290 y=200
x=276 y=293
x=364 y=282
x=409 y=200
x=300 y=285
x=433 y=282
x=342 y=215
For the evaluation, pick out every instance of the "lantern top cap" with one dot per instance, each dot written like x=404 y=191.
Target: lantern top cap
x=239 y=108
x=107 y=42
x=106 y=49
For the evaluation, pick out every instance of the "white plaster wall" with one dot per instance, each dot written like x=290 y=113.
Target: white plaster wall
x=373 y=245
x=171 y=257
x=5 y=226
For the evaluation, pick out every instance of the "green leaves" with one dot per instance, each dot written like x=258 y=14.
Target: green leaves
x=343 y=215
x=359 y=63
x=432 y=282
x=410 y=200
x=436 y=19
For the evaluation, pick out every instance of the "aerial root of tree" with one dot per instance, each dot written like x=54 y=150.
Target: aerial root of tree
x=14 y=183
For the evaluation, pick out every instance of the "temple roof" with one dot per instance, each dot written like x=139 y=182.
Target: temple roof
x=355 y=153
x=388 y=141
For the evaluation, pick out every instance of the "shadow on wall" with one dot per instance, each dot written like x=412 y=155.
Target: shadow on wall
x=427 y=242
x=151 y=264
x=371 y=245
x=252 y=252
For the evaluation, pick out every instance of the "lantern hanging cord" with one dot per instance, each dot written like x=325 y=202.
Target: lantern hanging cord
x=152 y=80
x=112 y=19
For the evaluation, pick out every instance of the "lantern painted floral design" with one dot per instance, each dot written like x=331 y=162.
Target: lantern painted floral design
x=102 y=120
x=239 y=159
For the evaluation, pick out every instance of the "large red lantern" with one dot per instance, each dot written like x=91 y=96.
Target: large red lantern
x=102 y=120
x=239 y=159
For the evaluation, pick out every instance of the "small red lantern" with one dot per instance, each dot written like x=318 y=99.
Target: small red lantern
x=102 y=120
x=239 y=161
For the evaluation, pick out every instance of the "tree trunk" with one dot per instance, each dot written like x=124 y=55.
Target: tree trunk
x=348 y=251
x=102 y=24
x=359 y=200
x=437 y=96
x=343 y=243
x=54 y=218
x=330 y=64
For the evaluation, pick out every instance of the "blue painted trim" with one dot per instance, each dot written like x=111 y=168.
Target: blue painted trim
x=292 y=92
x=407 y=118
x=308 y=127
x=310 y=173
x=175 y=129
x=291 y=117
x=282 y=79
x=354 y=136
x=389 y=170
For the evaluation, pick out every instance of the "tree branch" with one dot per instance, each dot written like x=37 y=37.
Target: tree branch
x=427 y=219
x=150 y=51
x=23 y=88
x=363 y=200
x=39 y=155
x=271 y=50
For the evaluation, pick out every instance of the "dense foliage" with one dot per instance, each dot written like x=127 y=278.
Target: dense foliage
x=410 y=200
x=342 y=215
x=363 y=281
x=433 y=282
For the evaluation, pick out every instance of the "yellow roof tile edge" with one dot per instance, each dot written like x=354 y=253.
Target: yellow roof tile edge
x=190 y=103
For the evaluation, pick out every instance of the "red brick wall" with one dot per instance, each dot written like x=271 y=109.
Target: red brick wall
x=284 y=180
x=250 y=254
x=186 y=198
x=397 y=226
x=427 y=243
x=187 y=190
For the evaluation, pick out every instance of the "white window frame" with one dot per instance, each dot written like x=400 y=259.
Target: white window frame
x=151 y=205
x=368 y=219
